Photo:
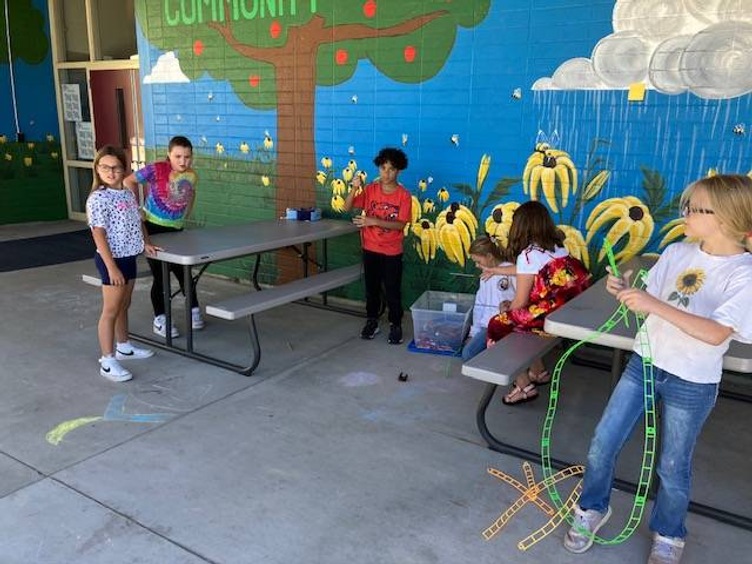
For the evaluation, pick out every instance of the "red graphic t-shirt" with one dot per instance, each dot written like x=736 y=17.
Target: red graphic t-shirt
x=390 y=207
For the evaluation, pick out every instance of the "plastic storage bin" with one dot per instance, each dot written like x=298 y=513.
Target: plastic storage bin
x=441 y=320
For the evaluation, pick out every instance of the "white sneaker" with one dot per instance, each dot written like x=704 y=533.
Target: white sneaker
x=586 y=524
x=666 y=550
x=129 y=352
x=197 y=320
x=111 y=369
x=159 y=327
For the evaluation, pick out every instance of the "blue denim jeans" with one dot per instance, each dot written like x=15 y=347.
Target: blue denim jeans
x=474 y=345
x=684 y=407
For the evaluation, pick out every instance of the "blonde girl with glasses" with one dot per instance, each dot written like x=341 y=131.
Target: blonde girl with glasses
x=696 y=301
x=118 y=232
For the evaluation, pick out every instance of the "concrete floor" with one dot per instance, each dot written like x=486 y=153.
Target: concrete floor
x=322 y=456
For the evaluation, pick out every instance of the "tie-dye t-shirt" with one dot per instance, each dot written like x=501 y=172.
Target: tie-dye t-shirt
x=168 y=193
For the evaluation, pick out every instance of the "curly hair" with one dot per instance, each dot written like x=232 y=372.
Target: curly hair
x=397 y=157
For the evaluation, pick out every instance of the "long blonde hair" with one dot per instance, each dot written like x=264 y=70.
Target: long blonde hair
x=107 y=151
x=730 y=195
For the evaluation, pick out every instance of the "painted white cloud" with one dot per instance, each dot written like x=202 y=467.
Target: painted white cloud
x=166 y=70
x=704 y=46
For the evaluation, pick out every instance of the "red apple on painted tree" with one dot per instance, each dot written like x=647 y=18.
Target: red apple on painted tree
x=369 y=8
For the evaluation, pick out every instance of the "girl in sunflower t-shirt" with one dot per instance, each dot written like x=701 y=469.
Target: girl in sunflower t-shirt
x=696 y=301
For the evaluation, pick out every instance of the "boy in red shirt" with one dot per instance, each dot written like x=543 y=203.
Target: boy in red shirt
x=386 y=206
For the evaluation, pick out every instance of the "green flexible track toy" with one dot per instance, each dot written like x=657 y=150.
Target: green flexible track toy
x=648 y=457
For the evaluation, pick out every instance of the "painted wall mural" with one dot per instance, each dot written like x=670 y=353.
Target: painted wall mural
x=673 y=46
x=604 y=118
x=274 y=54
x=31 y=175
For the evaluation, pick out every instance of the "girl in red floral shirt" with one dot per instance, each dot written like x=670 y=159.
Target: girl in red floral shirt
x=547 y=277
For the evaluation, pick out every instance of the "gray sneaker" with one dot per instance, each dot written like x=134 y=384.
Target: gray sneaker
x=666 y=550
x=586 y=525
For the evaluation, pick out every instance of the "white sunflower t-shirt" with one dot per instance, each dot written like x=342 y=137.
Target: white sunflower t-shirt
x=716 y=287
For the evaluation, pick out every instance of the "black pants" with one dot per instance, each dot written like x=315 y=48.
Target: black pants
x=381 y=269
x=157 y=298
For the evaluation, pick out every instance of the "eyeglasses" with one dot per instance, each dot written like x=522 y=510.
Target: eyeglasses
x=690 y=210
x=117 y=169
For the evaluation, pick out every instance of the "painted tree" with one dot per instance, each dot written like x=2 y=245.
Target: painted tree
x=276 y=52
x=28 y=39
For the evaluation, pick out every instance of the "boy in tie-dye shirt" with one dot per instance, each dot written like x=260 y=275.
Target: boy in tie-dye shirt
x=169 y=190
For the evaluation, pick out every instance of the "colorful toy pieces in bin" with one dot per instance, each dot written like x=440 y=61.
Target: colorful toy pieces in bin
x=303 y=214
x=441 y=320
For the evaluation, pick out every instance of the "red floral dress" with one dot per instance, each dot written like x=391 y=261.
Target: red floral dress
x=560 y=280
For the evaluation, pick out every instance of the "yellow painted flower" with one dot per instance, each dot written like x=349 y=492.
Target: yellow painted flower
x=338 y=187
x=8 y=157
x=268 y=143
x=429 y=239
x=347 y=174
x=3 y=139
x=245 y=148
x=54 y=155
x=219 y=148
x=673 y=230
x=575 y=244
x=265 y=180
x=415 y=209
x=456 y=227
x=422 y=184
x=27 y=161
x=626 y=216
x=712 y=172
x=485 y=164
x=500 y=221
x=363 y=176
x=320 y=177
x=596 y=184
x=546 y=168
x=428 y=206
x=31 y=145
x=50 y=137
x=338 y=203
x=326 y=162
x=442 y=194
x=352 y=165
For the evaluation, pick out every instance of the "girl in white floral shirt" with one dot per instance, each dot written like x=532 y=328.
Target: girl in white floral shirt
x=118 y=233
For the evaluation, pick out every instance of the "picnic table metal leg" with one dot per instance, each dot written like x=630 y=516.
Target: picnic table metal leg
x=255 y=347
x=254 y=276
x=502 y=447
x=189 y=288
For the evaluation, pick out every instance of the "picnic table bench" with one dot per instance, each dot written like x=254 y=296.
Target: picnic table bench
x=247 y=305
